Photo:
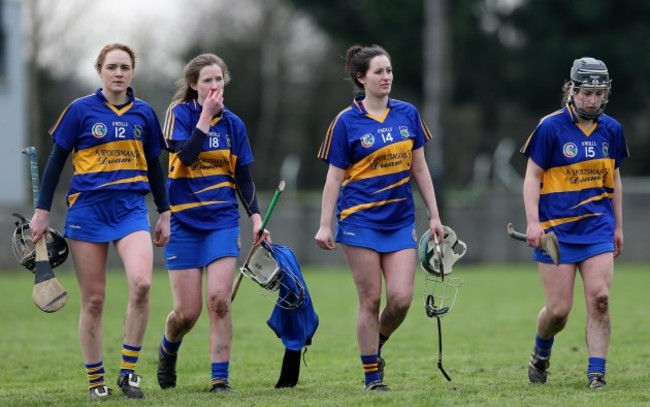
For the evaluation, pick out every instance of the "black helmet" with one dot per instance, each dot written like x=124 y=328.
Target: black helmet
x=589 y=72
x=25 y=251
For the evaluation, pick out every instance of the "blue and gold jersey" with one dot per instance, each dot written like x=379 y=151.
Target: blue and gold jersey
x=578 y=179
x=376 y=154
x=109 y=146
x=203 y=195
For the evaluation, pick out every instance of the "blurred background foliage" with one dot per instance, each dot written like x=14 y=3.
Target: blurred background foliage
x=501 y=67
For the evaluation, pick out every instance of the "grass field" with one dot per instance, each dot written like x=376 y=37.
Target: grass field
x=487 y=338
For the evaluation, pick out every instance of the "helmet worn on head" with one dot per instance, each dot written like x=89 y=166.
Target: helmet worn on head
x=591 y=73
x=25 y=251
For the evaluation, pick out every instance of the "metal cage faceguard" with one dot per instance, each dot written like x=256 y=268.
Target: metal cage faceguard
x=25 y=251
x=439 y=258
x=591 y=73
x=263 y=268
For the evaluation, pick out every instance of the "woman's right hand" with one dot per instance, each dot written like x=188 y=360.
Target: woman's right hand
x=39 y=224
x=324 y=239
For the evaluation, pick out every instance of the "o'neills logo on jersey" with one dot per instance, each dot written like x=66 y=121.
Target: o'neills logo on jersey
x=570 y=150
x=99 y=130
x=367 y=140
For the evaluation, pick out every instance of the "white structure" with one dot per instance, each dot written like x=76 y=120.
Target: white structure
x=13 y=105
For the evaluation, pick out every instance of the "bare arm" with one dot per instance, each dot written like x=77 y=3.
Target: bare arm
x=532 y=182
x=422 y=178
x=324 y=237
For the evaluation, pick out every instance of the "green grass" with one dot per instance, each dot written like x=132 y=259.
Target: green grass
x=487 y=340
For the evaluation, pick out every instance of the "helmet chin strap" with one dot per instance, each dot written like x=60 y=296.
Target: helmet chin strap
x=584 y=114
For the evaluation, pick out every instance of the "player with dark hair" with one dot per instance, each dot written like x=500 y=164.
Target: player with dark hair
x=115 y=140
x=373 y=148
x=209 y=165
x=573 y=188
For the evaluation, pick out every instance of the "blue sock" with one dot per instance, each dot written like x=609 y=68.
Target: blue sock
x=370 y=368
x=169 y=349
x=543 y=346
x=220 y=372
x=596 y=367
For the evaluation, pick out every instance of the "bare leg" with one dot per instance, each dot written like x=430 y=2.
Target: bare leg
x=558 y=283
x=365 y=266
x=597 y=274
x=219 y=285
x=186 y=290
x=90 y=267
x=399 y=273
x=136 y=252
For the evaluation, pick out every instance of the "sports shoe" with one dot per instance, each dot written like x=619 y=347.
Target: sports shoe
x=381 y=364
x=538 y=368
x=596 y=381
x=377 y=385
x=166 y=371
x=130 y=385
x=100 y=392
x=221 y=387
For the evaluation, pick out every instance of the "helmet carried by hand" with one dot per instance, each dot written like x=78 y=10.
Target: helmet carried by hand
x=25 y=251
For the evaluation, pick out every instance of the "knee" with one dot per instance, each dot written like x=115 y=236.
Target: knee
x=180 y=321
x=558 y=316
x=94 y=304
x=371 y=303
x=141 y=292
x=219 y=306
x=400 y=302
x=601 y=303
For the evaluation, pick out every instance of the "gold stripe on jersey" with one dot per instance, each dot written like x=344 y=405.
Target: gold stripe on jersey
x=604 y=195
x=121 y=111
x=219 y=185
x=576 y=177
x=208 y=163
x=347 y=212
x=182 y=207
x=139 y=178
x=425 y=129
x=405 y=180
x=55 y=125
x=391 y=159
x=530 y=136
x=114 y=156
x=170 y=120
x=324 y=151
x=561 y=221
x=381 y=118
x=72 y=198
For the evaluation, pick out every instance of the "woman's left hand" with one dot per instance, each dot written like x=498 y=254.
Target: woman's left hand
x=162 y=229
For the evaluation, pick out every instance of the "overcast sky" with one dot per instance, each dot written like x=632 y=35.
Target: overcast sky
x=73 y=31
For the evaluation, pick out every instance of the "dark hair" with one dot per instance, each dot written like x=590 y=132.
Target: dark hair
x=357 y=61
x=191 y=73
x=99 y=62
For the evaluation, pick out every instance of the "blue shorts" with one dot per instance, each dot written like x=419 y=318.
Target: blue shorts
x=574 y=253
x=192 y=248
x=382 y=241
x=110 y=220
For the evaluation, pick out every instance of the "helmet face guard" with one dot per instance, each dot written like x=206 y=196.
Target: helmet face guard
x=25 y=251
x=263 y=268
x=589 y=73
